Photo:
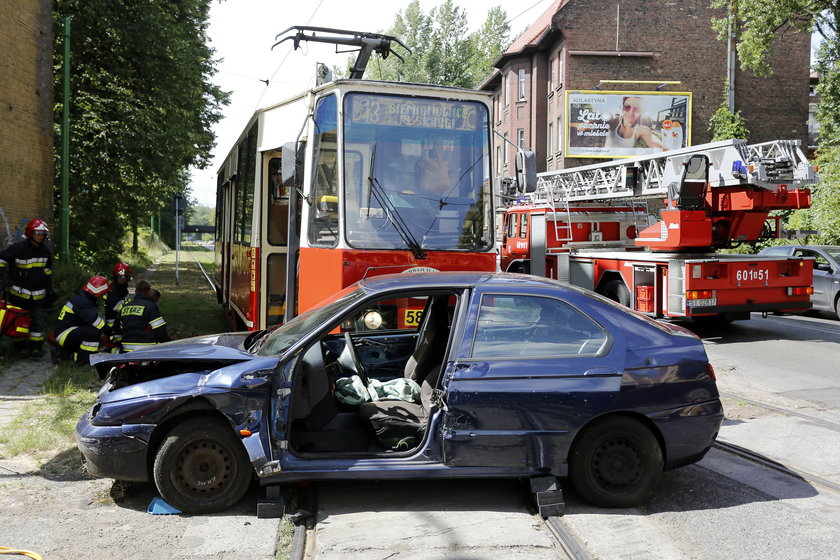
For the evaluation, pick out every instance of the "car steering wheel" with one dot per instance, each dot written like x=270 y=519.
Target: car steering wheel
x=357 y=363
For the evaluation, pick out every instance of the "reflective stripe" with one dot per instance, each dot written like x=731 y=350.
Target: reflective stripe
x=36 y=336
x=111 y=322
x=157 y=323
x=99 y=323
x=48 y=271
x=23 y=330
x=63 y=335
x=130 y=346
x=23 y=293
x=38 y=262
x=89 y=346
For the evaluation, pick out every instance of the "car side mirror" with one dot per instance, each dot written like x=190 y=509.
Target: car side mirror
x=291 y=172
x=526 y=171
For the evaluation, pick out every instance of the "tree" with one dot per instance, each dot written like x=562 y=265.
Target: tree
x=756 y=24
x=142 y=108
x=442 y=52
x=725 y=124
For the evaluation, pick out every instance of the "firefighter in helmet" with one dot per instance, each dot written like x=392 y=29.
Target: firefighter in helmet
x=26 y=274
x=117 y=296
x=79 y=327
x=140 y=322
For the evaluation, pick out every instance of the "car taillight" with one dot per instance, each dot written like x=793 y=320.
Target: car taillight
x=699 y=294
x=800 y=290
x=711 y=371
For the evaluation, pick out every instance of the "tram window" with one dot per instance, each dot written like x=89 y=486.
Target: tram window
x=276 y=283
x=278 y=209
x=323 y=212
x=249 y=174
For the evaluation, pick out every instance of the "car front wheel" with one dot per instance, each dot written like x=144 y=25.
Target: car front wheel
x=616 y=463
x=201 y=467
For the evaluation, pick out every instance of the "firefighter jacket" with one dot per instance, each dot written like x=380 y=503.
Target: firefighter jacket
x=28 y=268
x=141 y=324
x=114 y=300
x=79 y=311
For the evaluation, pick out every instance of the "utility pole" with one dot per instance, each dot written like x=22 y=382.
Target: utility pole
x=64 y=228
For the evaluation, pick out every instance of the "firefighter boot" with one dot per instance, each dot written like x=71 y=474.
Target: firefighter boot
x=36 y=348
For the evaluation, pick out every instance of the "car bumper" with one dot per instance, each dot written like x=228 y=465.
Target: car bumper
x=689 y=432
x=118 y=452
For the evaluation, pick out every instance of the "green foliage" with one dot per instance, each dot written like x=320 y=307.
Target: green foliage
x=142 y=108
x=442 y=52
x=725 y=124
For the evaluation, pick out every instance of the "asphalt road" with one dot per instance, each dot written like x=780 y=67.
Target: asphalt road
x=723 y=507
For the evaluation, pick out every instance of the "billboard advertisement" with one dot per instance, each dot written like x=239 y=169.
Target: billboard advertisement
x=626 y=123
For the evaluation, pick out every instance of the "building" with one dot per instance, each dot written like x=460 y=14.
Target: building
x=607 y=48
x=26 y=115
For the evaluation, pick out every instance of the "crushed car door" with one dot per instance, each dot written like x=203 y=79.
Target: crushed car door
x=530 y=370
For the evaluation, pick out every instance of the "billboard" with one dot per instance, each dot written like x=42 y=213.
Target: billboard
x=626 y=123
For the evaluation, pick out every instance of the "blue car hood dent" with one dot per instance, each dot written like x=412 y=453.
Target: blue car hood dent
x=226 y=346
x=244 y=375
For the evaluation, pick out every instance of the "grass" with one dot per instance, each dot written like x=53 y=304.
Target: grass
x=45 y=428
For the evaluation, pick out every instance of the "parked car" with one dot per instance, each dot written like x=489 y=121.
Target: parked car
x=826 y=295
x=412 y=376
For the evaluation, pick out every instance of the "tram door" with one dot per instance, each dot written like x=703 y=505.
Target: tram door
x=275 y=250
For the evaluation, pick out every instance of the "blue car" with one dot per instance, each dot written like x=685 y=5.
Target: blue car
x=412 y=376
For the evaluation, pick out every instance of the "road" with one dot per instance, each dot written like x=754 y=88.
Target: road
x=781 y=388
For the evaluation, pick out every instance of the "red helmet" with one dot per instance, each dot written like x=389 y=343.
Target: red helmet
x=122 y=270
x=97 y=286
x=36 y=225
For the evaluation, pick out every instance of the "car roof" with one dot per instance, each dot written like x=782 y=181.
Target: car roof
x=455 y=280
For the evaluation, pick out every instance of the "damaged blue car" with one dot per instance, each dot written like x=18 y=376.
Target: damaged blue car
x=412 y=376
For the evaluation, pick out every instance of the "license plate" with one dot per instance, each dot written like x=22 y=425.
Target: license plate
x=707 y=302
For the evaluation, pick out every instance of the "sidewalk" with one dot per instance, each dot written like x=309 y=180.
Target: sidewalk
x=20 y=383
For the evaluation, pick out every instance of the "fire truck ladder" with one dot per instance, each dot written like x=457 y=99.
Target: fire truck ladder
x=775 y=165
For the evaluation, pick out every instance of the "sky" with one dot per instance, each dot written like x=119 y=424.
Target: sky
x=242 y=33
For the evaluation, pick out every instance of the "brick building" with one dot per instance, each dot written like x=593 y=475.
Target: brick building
x=578 y=44
x=26 y=115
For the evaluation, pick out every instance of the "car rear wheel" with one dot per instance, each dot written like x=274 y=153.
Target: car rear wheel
x=616 y=462
x=201 y=467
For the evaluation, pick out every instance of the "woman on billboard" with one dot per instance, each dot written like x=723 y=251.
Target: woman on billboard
x=629 y=129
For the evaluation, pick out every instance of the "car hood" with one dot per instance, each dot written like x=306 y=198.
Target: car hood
x=172 y=358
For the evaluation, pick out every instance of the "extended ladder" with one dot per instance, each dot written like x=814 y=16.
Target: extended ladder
x=775 y=165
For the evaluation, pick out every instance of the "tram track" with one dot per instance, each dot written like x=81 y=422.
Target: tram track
x=204 y=272
x=786 y=411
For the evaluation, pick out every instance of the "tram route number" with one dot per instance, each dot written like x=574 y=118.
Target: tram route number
x=413 y=317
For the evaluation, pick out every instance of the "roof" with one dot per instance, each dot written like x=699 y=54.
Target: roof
x=531 y=37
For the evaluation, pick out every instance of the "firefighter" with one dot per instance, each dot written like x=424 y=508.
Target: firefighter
x=26 y=273
x=117 y=296
x=79 y=327
x=141 y=323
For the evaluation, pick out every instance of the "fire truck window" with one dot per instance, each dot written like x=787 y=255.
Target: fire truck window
x=512 y=326
x=323 y=209
x=523 y=226
x=278 y=209
x=511 y=225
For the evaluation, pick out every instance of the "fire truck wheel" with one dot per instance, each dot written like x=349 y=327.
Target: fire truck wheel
x=617 y=291
x=616 y=462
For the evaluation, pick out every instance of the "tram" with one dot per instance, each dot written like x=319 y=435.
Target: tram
x=351 y=179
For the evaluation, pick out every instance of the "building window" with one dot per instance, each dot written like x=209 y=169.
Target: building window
x=520 y=138
x=505 y=148
x=559 y=135
x=552 y=76
x=548 y=147
x=521 y=84
x=498 y=159
x=506 y=88
x=560 y=72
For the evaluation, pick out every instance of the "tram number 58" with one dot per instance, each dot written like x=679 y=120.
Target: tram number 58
x=413 y=317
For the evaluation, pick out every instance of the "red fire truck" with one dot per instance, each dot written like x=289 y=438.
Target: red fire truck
x=593 y=226
x=351 y=179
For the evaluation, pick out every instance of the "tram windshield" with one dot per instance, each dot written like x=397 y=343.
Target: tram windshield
x=416 y=173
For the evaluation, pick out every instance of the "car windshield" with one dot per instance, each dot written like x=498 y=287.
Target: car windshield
x=834 y=252
x=279 y=340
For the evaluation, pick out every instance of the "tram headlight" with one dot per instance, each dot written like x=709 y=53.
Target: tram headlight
x=373 y=320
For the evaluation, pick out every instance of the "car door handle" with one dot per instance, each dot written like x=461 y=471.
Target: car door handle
x=602 y=372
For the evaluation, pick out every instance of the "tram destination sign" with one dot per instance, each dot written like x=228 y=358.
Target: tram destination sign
x=385 y=110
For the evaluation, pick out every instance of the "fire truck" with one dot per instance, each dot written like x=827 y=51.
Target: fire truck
x=352 y=178
x=644 y=231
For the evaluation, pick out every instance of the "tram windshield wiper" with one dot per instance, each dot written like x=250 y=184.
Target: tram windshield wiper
x=391 y=213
